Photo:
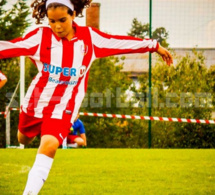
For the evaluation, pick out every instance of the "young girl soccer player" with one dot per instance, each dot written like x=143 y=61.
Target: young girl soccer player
x=62 y=53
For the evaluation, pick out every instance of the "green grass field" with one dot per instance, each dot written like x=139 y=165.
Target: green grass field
x=114 y=171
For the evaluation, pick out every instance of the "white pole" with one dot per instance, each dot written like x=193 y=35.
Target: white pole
x=7 y=116
x=22 y=79
x=22 y=84
x=8 y=129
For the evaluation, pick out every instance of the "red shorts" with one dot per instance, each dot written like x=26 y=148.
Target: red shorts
x=71 y=139
x=31 y=126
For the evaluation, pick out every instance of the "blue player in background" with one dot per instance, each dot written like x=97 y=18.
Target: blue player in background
x=77 y=135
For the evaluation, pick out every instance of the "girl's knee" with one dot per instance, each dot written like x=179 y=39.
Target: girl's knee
x=48 y=146
x=22 y=139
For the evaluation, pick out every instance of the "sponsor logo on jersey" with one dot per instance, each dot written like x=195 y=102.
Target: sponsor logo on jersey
x=60 y=82
x=82 y=71
x=68 y=72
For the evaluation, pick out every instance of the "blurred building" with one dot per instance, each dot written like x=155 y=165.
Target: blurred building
x=137 y=64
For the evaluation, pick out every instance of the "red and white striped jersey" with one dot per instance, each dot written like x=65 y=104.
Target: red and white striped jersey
x=63 y=66
x=2 y=76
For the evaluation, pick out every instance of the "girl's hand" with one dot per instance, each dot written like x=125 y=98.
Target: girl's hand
x=165 y=54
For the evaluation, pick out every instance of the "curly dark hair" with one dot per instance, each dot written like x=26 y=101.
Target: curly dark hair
x=39 y=8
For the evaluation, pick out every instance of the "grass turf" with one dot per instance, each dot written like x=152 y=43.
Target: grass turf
x=114 y=171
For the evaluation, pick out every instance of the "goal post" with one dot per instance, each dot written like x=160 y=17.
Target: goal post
x=22 y=85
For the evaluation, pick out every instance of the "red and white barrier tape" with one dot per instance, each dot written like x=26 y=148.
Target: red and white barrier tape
x=152 y=118
x=14 y=109
x=181 y=120
x=6 y=111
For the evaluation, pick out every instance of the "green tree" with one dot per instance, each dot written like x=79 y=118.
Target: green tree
x=13 y=23
x=161 y=35
x=211 y=81
x=106 y=94
x=182 y=91
x=140 y=30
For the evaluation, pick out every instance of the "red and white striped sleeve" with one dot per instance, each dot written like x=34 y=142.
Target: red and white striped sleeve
x=107 y=45
x=26 y=46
